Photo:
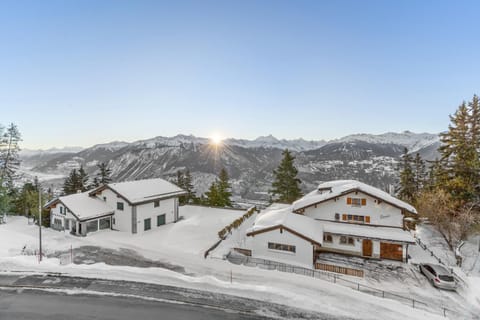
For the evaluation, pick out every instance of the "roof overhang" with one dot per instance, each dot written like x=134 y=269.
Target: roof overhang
x=299 y=210
x=282 y=227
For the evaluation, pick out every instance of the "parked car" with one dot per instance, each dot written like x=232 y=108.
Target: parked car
x=438 y=276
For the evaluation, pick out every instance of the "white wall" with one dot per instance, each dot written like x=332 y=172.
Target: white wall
x=356 y=248
x=147 y=210
x=55 y=214
x=259 y=246
x=123 y=219
x=380 y=214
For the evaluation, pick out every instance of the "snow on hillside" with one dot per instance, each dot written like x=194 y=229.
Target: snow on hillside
x=182 y=244
x=410 y=140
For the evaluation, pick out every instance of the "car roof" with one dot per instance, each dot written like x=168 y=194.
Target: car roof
x=438 y=268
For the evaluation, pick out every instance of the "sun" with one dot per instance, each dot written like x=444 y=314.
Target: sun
x=216 y=139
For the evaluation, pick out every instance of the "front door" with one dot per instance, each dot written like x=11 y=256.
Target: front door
x=367 y=247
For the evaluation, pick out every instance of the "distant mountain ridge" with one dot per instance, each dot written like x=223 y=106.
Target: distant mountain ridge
x=250 y=163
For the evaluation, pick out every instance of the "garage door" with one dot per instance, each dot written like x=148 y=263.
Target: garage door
x=391 y=251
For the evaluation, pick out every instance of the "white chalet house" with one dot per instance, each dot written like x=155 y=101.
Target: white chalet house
x=345 y=216
x=132 y=206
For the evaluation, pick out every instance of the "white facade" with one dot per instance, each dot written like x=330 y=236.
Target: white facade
x=349 y=220
x=380 y=212
x=148 y=210
x=144 y=206
x=62 y=219
x=303 y=255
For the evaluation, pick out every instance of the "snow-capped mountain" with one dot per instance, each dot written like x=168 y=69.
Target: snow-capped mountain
x=412 y=141
x=250 y=163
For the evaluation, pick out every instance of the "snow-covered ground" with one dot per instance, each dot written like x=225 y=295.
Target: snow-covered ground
x=184 y=244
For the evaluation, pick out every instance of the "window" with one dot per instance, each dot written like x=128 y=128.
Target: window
x=120 y=206
x=61 y=210
x=354 y=218
x=105 y=223
x=105 y=199
x=160 y=220
x=347 y=240
x=156 y=203
x=147 y=224
x=57 y=223
x=67 y=224
x=92 y=226
x=281 y=247
x=356 y=202
x=337 y=216
x=327 y=237
x=113 y=220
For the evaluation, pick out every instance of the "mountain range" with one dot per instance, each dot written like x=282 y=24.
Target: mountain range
x=367 y=157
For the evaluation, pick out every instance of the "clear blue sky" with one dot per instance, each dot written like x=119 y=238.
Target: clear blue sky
x=87 y=72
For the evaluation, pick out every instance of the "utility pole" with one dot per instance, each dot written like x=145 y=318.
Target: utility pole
x=39 y=221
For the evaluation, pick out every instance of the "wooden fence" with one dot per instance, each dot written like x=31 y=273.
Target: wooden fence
x=339 y=269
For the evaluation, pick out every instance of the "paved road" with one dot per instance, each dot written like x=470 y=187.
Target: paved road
x=38 y=305
x=44 y=296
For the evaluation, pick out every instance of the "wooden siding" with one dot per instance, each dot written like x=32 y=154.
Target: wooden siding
x=391 y=251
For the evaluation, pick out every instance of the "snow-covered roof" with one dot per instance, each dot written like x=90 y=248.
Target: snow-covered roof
x=283 y=216
x=85 y=207
x=333 y=189
x=145 y=190
x=366 y=231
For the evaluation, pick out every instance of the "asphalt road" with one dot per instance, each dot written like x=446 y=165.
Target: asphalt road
x=44 y=296
x=39 y=305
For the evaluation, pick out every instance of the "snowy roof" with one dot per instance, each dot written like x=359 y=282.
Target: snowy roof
x=366 y=231
x=145 y=190
x=85 y=207
x=273 y=217
x=332 y=189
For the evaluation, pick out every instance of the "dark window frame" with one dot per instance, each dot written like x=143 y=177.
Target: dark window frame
x=147 y=226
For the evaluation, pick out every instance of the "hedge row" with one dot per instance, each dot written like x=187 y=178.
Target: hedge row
x=235 y=224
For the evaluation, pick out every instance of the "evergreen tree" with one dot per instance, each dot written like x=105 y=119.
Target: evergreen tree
x=286 y=185
x=218 y=195
x=9 y=158
x=212 y=195
x=9 y=163
x=460 y=154
x=420 y=173
x=407 y=187
x=180 y=182
x=82 y=180
x=104 y=173
x=188 y=186
x=76 y=181
x=224 y=189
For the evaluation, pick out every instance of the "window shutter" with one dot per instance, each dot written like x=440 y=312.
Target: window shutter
x=344 y=217
x=349 y=200
x=364 y=202
x=367 y=219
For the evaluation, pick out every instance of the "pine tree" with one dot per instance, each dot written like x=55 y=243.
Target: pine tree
x=286 y=185
x=218 y=195
x=407 y=188
x=9 y=164
x=460 y=154
x=224 y=189
x=82 y=180
x=420 y=173
x=104 y=173
x=190 y=197
x=76 y=181
x=180 y=182
x=212 y=195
